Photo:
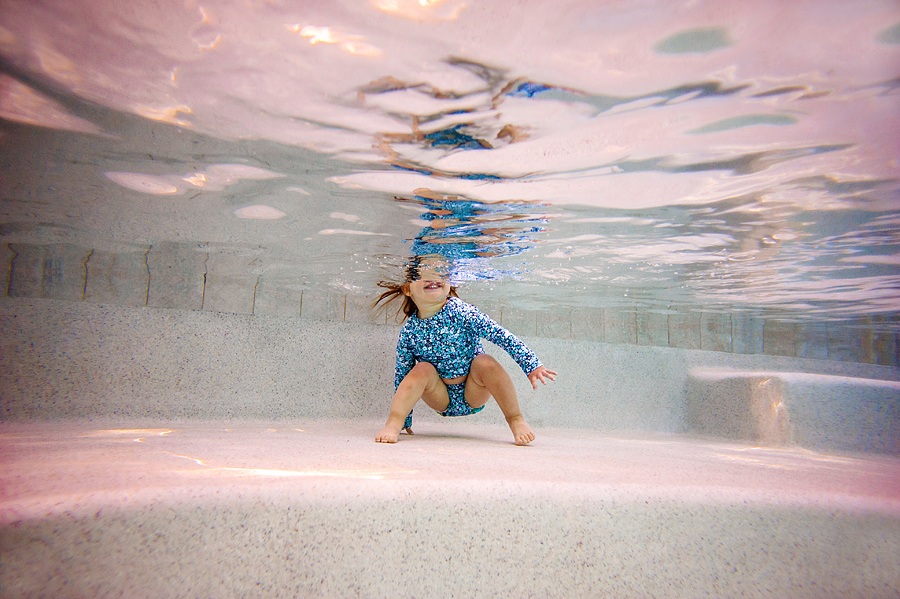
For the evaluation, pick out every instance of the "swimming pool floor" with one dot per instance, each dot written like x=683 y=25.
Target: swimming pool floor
x=317 y=509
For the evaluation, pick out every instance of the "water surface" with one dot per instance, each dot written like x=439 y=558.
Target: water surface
x=711 y=155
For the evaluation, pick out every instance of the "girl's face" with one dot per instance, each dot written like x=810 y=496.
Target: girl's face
x=428 y=291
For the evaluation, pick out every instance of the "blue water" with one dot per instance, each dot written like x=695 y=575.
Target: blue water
x=723 y=156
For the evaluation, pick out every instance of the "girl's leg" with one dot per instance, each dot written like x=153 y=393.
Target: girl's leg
x=487 y=377
x=421 y=382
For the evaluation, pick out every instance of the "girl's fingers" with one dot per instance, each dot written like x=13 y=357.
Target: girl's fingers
x=547 y=373
x=541 y=374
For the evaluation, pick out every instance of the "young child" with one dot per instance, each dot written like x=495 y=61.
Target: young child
x=441 y=361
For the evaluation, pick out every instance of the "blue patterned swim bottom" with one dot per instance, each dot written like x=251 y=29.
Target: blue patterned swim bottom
x=458 y=405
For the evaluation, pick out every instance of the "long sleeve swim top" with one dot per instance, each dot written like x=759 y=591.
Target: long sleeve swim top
x=451 y=339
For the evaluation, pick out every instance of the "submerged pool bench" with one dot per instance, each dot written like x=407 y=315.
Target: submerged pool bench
x=814 y=411
x=317 y=509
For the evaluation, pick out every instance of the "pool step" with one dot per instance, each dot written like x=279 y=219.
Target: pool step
x=821 y=412
x=317 y=509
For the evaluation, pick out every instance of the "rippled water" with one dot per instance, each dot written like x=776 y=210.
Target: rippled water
x=721 y=155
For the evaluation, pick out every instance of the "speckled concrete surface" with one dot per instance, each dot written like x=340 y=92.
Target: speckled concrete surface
x=317 y=509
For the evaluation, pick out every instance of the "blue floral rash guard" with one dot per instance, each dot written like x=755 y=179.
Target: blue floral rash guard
x=451 y=339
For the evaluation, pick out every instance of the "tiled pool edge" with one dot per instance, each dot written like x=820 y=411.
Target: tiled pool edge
x=197 y=277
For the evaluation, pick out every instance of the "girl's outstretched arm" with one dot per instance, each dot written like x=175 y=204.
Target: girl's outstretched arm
x=485 y=327
x=405 y=358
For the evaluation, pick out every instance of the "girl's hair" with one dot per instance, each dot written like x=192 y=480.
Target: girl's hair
x=395 y=290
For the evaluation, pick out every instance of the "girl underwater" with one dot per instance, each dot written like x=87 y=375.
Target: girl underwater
x=441 y=361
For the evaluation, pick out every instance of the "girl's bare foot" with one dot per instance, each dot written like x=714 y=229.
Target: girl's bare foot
x=521 y=431
x=389 y=434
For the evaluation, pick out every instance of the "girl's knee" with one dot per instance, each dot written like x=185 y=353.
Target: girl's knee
x=423 y=370
x=486 y=363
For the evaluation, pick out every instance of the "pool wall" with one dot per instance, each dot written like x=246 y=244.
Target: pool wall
x=73 y=360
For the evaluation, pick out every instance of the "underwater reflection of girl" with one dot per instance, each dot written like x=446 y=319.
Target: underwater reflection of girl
x=466 y=232
x=441 y=361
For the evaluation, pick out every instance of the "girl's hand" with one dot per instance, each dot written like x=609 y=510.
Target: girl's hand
x=540 y=374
